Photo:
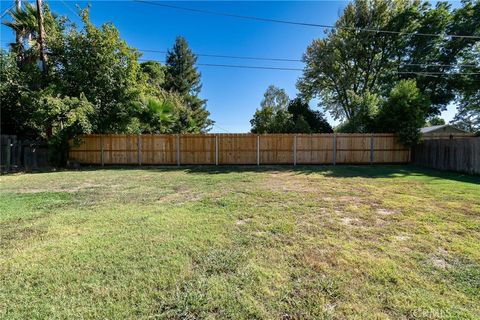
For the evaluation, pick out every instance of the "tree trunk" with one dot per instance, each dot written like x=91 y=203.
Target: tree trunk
x=18 y=36
x=41 y=37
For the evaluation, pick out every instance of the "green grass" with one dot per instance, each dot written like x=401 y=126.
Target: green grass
x=361 y=242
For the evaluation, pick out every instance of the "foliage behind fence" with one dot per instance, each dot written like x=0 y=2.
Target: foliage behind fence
x=239 y=149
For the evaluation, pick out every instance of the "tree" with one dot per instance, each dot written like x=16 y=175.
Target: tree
x=350 y=63
x=275 y=98
x=273 y=116
x=404 y=112
x=154 y=73
x=63 y=118
x=16 y=106
x=435 y=121
x=306 y=120
x=467 y=88
x=183 y=77
x=365 y=118
x=96 y=62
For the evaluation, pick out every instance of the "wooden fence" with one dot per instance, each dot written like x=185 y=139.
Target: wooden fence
x=18 y=154
x=224 y=149
x=462 y=155
x=443 y=135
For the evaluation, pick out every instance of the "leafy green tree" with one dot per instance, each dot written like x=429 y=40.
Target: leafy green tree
x=467 y=88
x=275 y=98
x=60 y=119
x=306 y=120
x=364 y=120
x=96 y=62
x=435 y=121
x=183 y=77
x=349 y=63
x=301 y=125
x=154 y=73
x=404 y=112
x=15 y=110
x=273 y=116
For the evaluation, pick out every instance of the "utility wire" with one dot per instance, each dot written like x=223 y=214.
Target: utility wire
x=216 y=13
x=228 y=56
x=225 y=130
x=426 y=73
x=299 y=60
x=7 y=10
x=234 y=66
x=70 y=8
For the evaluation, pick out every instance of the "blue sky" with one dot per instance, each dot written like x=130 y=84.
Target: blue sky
x=233 y=94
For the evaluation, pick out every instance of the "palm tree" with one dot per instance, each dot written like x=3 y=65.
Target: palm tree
x=24 y=24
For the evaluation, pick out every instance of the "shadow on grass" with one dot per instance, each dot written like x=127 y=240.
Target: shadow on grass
x=340 y=171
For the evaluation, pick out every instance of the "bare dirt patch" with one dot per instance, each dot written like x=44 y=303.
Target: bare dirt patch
x=386 y=212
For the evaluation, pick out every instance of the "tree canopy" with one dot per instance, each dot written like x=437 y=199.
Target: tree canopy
x=353 y=72
x=279 y=114
x=94 y=83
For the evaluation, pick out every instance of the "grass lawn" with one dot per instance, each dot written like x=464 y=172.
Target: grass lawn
x=360 y=242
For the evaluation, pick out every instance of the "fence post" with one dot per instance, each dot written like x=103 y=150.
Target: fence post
x=371 y=149
x=334 y=149
x=216 y=149
x=102 y=157
x=295 y=150
x=258 y=150
x=178 y=150
x=7 y=155
x=139 y=149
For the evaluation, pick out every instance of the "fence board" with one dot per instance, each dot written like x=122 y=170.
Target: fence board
x=197 y=149
x=462 y=155
x=314 y=149
x=239 y=149
x=276 y=149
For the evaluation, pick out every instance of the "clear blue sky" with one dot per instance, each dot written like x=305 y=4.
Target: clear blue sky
x=233 y=94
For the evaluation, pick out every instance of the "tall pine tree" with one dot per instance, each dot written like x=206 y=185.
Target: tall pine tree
x=183 y=77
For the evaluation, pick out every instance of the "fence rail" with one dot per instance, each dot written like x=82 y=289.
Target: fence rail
x=222 y=149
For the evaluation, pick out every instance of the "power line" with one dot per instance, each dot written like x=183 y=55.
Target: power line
x=426 y=73
x=216 y=13
x=69 y=8
x=7 y=10
x=225 y=130
x=299 y=60
x=235 y=66
x=229 y=56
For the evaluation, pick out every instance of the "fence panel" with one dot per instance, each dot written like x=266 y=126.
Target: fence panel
x=158 y=149
x=17 y=154
x=462 y=155
x=314 y=148
x=197 y=149
x=353 y=148
x=239 y=149
x=386 y=149
x=276 y=148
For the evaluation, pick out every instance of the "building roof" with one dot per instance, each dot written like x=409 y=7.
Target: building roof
x=439 y=127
